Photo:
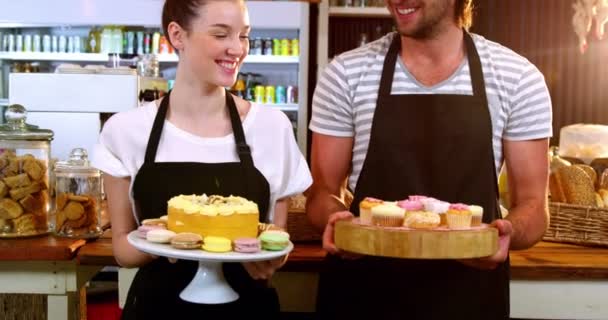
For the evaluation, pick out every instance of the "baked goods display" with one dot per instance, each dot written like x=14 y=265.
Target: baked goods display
x=420 y=212
x=579 y=184
x=228 y=217
x=583 y=142
x=214 y=224
x=418 y=227
x=76 y=214
x=23 y=195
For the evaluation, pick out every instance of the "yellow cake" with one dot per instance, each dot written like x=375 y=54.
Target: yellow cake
x=228 y=217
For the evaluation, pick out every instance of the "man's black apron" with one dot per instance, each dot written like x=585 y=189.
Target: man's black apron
x=434 y=145
x=154 y=293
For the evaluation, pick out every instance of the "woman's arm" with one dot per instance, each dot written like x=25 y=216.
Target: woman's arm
x=280 y=213
x=121 y=217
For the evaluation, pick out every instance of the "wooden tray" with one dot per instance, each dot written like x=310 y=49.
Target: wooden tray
x=402 y=242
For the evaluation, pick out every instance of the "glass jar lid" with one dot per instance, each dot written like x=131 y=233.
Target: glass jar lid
x=78 y=162
x=16 y=128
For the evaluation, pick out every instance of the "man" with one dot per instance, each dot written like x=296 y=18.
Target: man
x=430 y=110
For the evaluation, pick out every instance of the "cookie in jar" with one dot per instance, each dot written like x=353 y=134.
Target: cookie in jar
x=77 y=197
x=24 y=176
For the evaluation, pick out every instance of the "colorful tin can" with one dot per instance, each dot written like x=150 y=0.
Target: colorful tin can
x=292 y=94
x=256 y=46
x=284 y=47
x=276 y=47
x=280 y=94
x=295 y=47
x=260 y=94
x=270 y=98
x=267 y=49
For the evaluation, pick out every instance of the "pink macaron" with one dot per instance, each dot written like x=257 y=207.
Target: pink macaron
x=142 y=231
x=247 y=245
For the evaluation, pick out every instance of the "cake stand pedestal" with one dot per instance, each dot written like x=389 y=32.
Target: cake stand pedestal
x=208 y=285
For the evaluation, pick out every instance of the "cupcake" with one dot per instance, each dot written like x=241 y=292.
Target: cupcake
x=459 y=216
x=438 y=207
x=411 y=205
x=422 y=220
x=387 y=215
x=476 y=215
x=365 y=209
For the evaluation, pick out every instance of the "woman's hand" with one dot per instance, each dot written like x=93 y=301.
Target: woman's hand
x=263 y=270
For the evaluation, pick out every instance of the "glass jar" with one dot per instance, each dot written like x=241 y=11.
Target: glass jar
x=24 y=176
x=77 y=197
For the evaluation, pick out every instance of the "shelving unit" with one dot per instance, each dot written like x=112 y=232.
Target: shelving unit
x=358 y=18
x=274 y=19
x=358 y=12
x=101 y=57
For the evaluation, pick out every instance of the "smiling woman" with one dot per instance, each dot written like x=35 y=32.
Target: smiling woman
x=199 y=139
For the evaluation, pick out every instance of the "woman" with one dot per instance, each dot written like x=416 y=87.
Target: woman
x=198 y=139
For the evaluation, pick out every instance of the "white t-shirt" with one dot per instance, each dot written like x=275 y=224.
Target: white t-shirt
x=269 y=133
x=345 y=97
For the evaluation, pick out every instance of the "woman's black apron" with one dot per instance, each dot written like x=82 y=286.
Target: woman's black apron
x=434 y=145
x=154 y=293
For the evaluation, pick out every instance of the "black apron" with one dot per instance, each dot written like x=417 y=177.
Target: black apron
x=434 y=145
x=154 y=293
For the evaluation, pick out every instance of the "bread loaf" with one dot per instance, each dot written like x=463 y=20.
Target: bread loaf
x=590 y=172
x=577 y=186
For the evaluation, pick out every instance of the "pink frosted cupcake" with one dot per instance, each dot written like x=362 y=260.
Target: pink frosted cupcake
x=459 y=216
x=417 y=198
x=387 y=215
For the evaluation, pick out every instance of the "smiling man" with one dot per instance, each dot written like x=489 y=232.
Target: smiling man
x=428 y=110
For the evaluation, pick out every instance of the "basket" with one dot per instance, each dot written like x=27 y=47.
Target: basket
x=298 y=225
x=577 y=224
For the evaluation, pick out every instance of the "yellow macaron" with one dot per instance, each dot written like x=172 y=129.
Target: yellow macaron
x=217 y=244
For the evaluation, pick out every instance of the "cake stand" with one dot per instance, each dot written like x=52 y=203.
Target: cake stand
x=402 y=242
x=208 y=285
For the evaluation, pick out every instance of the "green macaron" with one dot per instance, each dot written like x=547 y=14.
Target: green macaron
x=274 y=240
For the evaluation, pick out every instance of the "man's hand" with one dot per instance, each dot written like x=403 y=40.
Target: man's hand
x=263 y=270
x=505 y=230
x=328 y=235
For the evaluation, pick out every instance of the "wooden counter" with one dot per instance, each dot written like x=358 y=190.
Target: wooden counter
x=40 y=248
x=544 y=261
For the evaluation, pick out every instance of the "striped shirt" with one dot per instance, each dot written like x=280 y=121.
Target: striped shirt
x=345 y=97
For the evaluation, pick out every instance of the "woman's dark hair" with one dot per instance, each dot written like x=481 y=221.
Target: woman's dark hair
x=181 y=11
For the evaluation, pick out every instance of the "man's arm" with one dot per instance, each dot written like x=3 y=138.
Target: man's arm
x=330 y=163
x=528 y=174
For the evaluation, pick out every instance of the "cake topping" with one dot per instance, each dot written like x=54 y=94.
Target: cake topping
x=416 y=197
x=410 y=205
x=459 y=206
x=436 y=206
x=213 y=205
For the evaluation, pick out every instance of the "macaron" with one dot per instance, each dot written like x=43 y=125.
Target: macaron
x=154 y=222
x=186 y=241
x=160 y=235
x=247 y=245
x=274 y=240
x=217 y=244
x=142 y=231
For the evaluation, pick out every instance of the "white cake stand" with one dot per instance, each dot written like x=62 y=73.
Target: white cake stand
x=209 y=285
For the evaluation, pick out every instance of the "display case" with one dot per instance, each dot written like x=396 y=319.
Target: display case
x=31 y=20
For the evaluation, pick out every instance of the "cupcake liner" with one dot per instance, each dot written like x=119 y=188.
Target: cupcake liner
x=385 y=221
x=475 y=221
x=458 y=221
x=365 y=216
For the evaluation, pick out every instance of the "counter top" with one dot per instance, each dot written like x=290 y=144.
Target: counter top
x=545 y=261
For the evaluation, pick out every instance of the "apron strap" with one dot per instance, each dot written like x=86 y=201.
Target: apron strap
x=157 y=129
x=242 y=148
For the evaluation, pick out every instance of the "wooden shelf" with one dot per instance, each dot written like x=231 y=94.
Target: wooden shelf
x=358 y=12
